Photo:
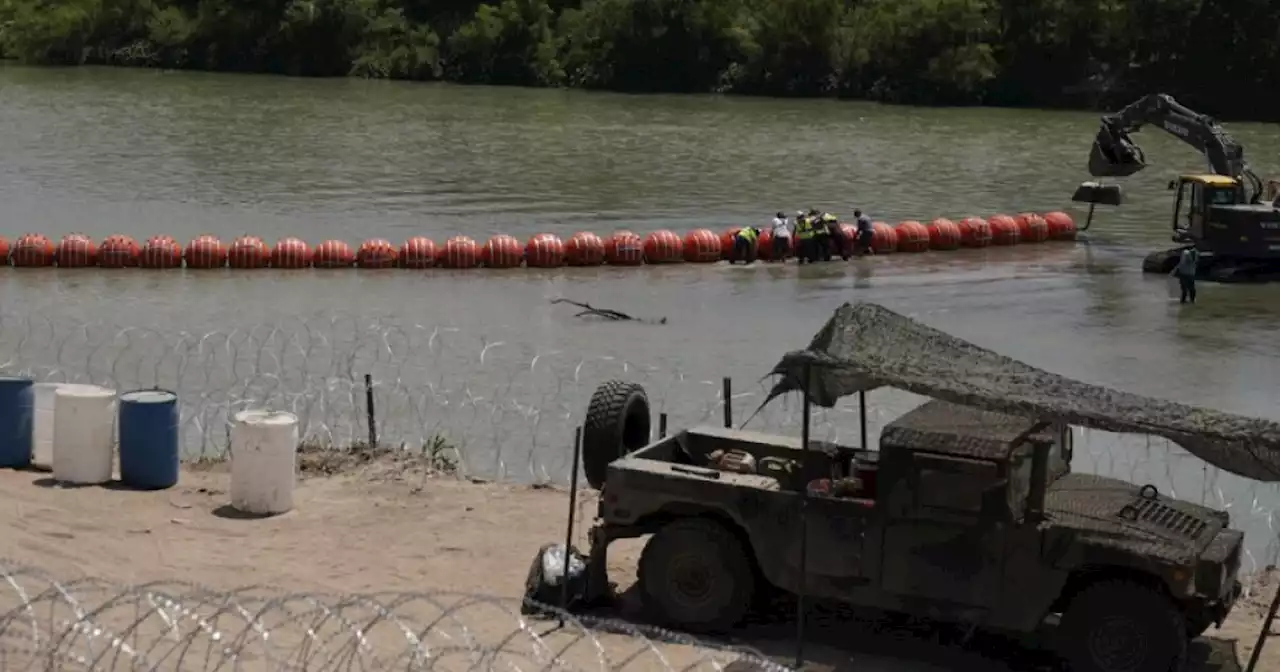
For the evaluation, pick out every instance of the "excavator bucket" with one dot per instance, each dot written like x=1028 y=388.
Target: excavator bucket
x=1114 y=155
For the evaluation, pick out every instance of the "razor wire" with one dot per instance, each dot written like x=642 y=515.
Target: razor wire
x=501 y=407
x=91 y=624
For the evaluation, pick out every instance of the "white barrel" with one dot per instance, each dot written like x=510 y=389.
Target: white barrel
x=264 y=456
x=42 y=427
x=84 y=434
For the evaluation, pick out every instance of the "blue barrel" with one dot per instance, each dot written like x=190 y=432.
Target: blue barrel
x=149 y=439
x=17 y=415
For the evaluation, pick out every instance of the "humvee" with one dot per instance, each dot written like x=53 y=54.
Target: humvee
x=963 y=515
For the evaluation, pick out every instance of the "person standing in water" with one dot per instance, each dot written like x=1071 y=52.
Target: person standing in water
x=865 y=232
x=781 y=237
x=744 y=245
x=1185 y=272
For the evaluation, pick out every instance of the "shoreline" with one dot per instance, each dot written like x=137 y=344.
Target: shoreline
x=382 y=521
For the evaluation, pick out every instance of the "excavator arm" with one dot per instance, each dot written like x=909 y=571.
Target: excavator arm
x=1115 y=154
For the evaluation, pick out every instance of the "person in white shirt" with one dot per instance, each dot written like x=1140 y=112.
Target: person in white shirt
x=781 y=237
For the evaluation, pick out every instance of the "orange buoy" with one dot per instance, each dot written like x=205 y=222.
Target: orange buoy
x=974 y=232
x=205 y=251
x=943 y=234
x=663 y=247
x=702 y=246
x=376 y=253
x=912 y=236
x=501 y=251
x=1061 y=227
x=4 y=252
x=248 y=252
x=291 y=253
x=584 y=249
x=726 y=242
x=849 y=237
x=883 y=238
x=32 y=250
x=461 y=252
x=418 y=252
x=544 y=250
x=160 y=252
x=76 y=250
x=333 y=254
x=1004 y=230
x=1032 y=228
x=118 y=252
x=624 y=248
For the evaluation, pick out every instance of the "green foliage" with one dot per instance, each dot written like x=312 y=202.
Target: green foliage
x=1216 y=55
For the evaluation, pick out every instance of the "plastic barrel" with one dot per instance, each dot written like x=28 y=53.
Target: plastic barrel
x=17 y=408
x=149 y=439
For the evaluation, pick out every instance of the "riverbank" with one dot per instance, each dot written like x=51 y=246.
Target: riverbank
x=383 y=524
x=913 y=51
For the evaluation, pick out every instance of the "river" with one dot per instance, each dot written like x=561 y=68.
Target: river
x=482 y=358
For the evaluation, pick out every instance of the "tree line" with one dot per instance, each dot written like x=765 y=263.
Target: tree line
x=1218 y=56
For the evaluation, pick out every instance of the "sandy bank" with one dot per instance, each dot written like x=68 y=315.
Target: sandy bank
x=385 y=526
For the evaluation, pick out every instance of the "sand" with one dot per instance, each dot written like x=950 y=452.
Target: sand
x=395 y=526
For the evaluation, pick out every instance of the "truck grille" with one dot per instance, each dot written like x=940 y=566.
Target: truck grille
x=1153 y=512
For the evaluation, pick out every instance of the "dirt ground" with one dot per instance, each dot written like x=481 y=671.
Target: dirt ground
x=379 y=525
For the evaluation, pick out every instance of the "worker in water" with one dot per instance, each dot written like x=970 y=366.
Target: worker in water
x=744 y=245
x=781 y=238
x=805 y=241
x=865 y=232
x=1185 y=272
x=835 y=239
x=821 y=241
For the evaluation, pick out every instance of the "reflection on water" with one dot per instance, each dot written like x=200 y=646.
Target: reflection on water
x=115 y=151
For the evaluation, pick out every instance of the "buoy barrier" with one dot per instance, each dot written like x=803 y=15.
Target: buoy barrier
x=84 y=424
x=264 y=447
x=17 y=406
x=148 y=427
x=544 y=250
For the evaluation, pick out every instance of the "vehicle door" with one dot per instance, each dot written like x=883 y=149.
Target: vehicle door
x=836 y=528
x=945 y=533
x=1195 y=213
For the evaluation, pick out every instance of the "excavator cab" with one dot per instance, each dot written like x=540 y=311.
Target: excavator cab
x=1214 y=213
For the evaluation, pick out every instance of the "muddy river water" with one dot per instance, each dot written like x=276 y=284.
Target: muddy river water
x=482 y=359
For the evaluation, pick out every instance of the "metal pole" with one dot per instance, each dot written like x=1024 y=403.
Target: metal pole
x=662 y=425
x=568 y=532
x=1266 y=632
x=802 y=588
x=727 y=391
x=862 y=418
x=370 y=413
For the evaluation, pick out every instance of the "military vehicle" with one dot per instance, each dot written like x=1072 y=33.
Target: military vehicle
x=968 y=512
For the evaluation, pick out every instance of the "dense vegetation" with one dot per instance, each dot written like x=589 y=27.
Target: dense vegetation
x=1220 y=56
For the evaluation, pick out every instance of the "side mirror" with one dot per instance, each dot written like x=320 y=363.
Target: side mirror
x=1173 y=184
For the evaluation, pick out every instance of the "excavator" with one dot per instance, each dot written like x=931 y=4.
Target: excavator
x=1229 y=214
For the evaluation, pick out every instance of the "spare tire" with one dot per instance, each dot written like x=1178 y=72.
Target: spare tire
x=617 y=424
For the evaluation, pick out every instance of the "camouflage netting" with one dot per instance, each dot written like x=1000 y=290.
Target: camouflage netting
x=865 y=346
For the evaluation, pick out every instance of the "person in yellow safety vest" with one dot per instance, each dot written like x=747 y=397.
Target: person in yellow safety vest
x=744 y=245
x=836 y=244
x=821 y=241
x=805 y=241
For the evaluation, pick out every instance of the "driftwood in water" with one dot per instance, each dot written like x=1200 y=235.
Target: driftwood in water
x=591 y=311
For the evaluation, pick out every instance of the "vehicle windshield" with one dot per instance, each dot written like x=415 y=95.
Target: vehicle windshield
x=1220 y=195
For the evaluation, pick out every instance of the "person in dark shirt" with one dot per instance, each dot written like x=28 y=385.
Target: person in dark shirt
x=865 y=231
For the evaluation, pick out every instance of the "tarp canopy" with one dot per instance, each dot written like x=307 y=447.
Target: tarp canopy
x=865 y=346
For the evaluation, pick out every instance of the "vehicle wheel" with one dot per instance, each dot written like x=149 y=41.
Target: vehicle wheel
x=695 y=575
x=1119 y=626
x=1161 y=262
x=617 y=424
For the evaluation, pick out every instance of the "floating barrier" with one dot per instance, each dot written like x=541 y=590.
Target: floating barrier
x=264 y=451
x=544 y=250
x=17 y=405
x=84 y=423
x=148 y=427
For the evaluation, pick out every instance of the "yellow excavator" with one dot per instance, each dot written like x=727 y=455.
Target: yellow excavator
x=1230 y=215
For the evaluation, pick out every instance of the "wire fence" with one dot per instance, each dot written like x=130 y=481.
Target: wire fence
x=504 y=408
x=90 y=624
